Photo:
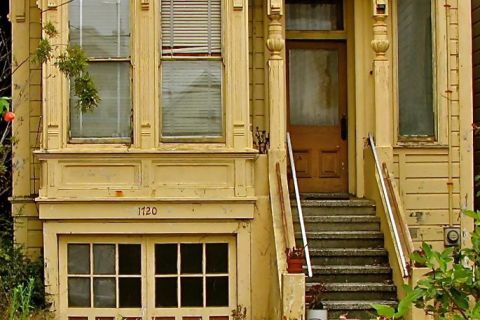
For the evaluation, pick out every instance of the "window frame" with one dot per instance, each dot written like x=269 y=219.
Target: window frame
x=148 y=275
x=159 y=106
x=439 y=82
x=104 y=141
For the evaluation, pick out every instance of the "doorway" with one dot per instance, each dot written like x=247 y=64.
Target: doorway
x=317 y=114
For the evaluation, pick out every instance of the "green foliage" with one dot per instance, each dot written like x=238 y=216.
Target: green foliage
x=72 y=62
x=21 y=279
x=21 y=303
x=4 y=104
x=43 y=52
x=50 y=29
x=87 y=92
x=451 y=290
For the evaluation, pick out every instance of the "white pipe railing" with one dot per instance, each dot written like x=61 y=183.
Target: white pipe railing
x=391 y=218
x=299 y=206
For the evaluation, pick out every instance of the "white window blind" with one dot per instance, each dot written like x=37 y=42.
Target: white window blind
x=102 y=29
x=191 y=27
x=191 y=69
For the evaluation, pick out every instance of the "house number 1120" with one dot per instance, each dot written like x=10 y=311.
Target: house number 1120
x=147 y=211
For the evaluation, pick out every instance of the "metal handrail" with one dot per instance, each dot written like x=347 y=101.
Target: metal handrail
x=299 y=206
x=391 y=218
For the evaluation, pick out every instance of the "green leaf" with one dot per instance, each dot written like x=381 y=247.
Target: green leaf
x=460 y=299
x=4 y=104
x=383 y=310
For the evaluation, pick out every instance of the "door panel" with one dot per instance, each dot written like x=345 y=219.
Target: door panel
x=317 y=114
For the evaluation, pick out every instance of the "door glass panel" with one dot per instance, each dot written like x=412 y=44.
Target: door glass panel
x=130 y=258
x=78 y=259
x=314 y=87
x=192 y=292
x=104 y=259
x=191 y=255
x=319 y=15
x=165 y=259
x=166 y=292
x=130 y=291
x=217 y=291
x=104 y=295
x=217 y=257
x=78 y=292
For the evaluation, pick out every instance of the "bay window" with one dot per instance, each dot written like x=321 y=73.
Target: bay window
x=102 y=30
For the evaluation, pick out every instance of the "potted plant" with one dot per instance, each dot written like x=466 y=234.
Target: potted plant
x=314 y=303
x=295 y=260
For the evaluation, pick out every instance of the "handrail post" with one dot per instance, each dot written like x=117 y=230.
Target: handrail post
x=299 y=206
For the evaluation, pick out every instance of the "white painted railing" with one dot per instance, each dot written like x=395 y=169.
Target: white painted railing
x=390 y=215
x=299 y=206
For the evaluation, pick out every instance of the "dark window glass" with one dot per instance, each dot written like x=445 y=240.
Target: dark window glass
x=415 y=68
x=191 y=258
x=314 y=15
x=104 y=293
x=130 y=291
x=130 y=258
x=166 y=292
x=79 y=292
x=192 y=292
x=217 y=291
x=217 y=257
x=78 y=258
x=103 y=259
x=165 y=259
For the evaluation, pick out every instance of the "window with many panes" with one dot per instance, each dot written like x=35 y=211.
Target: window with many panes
x=415 y=68
x=102 y=29
x=191 y=69
x=189 y=277
x=104 y=275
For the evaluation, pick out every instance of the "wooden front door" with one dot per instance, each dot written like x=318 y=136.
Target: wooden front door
x=317 y=115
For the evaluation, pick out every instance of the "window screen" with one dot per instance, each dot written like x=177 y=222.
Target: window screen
x=415 y=72
x=191 y=69
x=102 y=29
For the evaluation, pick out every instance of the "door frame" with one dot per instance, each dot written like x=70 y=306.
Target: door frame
x=356 y=17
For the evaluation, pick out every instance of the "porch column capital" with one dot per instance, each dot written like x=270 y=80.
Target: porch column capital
x=380 y=42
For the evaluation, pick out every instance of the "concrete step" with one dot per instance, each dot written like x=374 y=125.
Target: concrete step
x=351 y=274
x=348 y=256
x=343 y=239
x=354 y=309
x=339 y=223
x=364 y=291
x=335 y=207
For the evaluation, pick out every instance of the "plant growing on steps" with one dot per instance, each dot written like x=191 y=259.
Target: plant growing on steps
x=451 y=290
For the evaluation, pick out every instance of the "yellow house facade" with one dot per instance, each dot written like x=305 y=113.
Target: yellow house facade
x=163 y=204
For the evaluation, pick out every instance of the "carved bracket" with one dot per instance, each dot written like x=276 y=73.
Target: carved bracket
x=275 y=7
x=238 y=5
x=20 y=11
x=145 y=4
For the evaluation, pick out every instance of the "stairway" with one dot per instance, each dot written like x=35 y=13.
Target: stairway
x=346 y=248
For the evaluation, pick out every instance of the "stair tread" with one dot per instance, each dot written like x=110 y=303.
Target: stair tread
x=367 y=269
x=337 y=218
x=355 y=304
x=356 y=286
x=342 y=234
x=337 y=203
x=333 y=252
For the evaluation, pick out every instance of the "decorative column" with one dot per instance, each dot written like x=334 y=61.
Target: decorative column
x=276 y=76
x=382 y=85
